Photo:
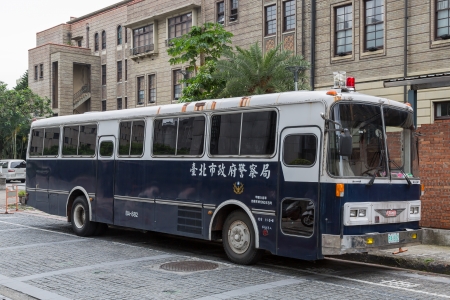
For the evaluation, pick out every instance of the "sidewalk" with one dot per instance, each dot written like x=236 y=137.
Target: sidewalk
x=432 y=256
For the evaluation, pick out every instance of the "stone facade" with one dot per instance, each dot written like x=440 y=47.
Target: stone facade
x=425 y=53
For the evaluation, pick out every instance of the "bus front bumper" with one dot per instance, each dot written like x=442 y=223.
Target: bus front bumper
x=336 y=244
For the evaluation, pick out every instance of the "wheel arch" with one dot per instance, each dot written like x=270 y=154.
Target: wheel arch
x=223 y=210
x=74 y=193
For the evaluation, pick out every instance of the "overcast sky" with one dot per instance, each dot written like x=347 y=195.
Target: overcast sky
x=20 y=20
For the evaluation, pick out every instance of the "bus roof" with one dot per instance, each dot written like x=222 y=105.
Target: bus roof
x=265 y=100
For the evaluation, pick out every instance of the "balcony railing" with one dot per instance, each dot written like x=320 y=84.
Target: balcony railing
x=142 y=49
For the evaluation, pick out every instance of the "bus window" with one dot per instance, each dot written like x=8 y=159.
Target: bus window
x=137 y=138
x=106 y=149
x=256 y=136
x=88 y=135
x=131 y=139
x=51 y=141
x=70 y=143
x=300 y=150
x=258 y=133
x=297 y=217
x=189 y=130
x=37 y=143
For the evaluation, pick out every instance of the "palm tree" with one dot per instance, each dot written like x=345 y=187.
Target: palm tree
x=250 y=72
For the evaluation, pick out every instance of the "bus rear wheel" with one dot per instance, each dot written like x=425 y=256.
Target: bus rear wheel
x=238 y=237
x=81 y=224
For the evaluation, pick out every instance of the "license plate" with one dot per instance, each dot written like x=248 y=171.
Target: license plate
x=393 y=238
x=391 y=213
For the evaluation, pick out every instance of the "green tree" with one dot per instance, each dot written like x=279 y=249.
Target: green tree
x=252 y=72
x=201 y=48
x=17 y=108
x=23 y=84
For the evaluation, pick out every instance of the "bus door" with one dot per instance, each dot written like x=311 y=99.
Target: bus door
x=299 y=193
x=104 y=200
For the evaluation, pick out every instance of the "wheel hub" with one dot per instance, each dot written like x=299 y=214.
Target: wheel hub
x=79 y=216
x=239 y=237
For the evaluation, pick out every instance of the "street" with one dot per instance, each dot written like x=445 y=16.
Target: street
x=42 y=258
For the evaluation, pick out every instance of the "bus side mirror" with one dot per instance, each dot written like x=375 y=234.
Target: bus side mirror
x=345 y=143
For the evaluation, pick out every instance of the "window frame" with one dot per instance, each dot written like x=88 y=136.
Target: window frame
x=190 y=20
x=140 y=83
x=104 y=75
x=151 y=85
x=36 y=72
x=96 y=42
x=104 y=106
x=436 y=12
x=205 y=135
x=136 y=39
x=119 y=100
x=436 y=117
x=119 y=35
x=131 y=134
x=300 y=166
x=119 y=71
x=335 y=52
x=234 y=14
x=267 y=22
x=285 y=16
x=41 y=71
x=78 y=142
x=103 y=40
x=175 y=83
x=244 y=156
x=43 y=142
x=220 y=13
x=126 y=70
x=366 y=49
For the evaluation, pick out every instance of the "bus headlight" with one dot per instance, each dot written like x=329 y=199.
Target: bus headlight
x=353 y=213
x=362 y=213
x=414 y=210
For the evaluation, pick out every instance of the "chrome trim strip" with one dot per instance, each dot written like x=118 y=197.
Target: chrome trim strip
x=180 y=203
x=209 y=206
x=136 y=199
x=58 y=192
x=264 y=212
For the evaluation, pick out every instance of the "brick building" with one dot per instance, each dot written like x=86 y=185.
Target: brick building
x=116 y=58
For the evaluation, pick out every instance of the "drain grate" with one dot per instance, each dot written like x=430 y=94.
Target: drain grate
x=189 y=266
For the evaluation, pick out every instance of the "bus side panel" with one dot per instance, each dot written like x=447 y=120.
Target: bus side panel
x=31 y=182
x=331 y=208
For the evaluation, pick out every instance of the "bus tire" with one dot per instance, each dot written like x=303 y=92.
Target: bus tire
x=238 y=237
x=101 y=229
x=81 y=224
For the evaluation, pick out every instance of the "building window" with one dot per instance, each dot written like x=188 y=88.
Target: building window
x=103 y=105
x=119 y=35
x=126 y=102
x=442 y=19
x=289 y=15
x=152 y=88
x=374 y=25
x=87 y=35
x=126 y=70
x=221 y=12
x=96 y=42
x=271 y=22
x=36 y=72
x=119 y=103
x=119 y=71
x=344 y=30
x=442 y=110
x=126 y=35
x=143 y=39
x=41 y=71
x=233 y=10
x=79 y=43
x=103 y=74
x=177 y=76
x=140 y=90
x=103 y=40
x=180 y=25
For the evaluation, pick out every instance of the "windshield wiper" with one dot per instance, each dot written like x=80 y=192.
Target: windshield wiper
x=376 y=169
x=401 y=170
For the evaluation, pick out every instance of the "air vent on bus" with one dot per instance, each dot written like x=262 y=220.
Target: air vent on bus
x=189 y=219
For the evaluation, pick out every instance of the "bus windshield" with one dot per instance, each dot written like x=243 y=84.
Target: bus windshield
x=377 y=152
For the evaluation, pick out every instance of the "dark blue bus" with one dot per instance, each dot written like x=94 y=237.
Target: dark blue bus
x=298 y=174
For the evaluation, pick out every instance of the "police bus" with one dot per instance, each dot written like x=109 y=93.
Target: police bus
x=299 y=174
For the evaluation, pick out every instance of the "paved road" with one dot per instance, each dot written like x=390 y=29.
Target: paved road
x=42 y=258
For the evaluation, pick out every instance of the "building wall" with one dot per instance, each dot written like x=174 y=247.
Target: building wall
x=59 y=34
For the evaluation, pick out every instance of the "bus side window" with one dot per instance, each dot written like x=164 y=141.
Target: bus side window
x=88 y=137
x=70 y=142
x=106 y=149
x=51 y=141
x=37 y=142
x=131 y=139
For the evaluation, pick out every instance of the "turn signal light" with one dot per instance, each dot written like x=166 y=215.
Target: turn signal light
x=332 y=93
x=414 y=236
x=369 y=241
x=422 y=189
x=339 y=190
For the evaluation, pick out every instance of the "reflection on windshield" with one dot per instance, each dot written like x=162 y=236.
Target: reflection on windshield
x=369 y=150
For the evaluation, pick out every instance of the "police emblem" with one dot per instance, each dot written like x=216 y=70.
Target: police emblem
x=238 y=188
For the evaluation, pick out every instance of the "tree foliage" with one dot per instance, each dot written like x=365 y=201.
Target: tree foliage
x=201 y=48
x=17 y=108
x=252 y=72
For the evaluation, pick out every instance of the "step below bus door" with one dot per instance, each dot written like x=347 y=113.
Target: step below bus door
x=104 y=196
x=298 y=193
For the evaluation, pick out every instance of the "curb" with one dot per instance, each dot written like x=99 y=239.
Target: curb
x=426 y=264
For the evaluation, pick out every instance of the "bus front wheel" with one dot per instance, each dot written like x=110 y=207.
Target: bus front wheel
x=238 y=237
x=81 y=224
